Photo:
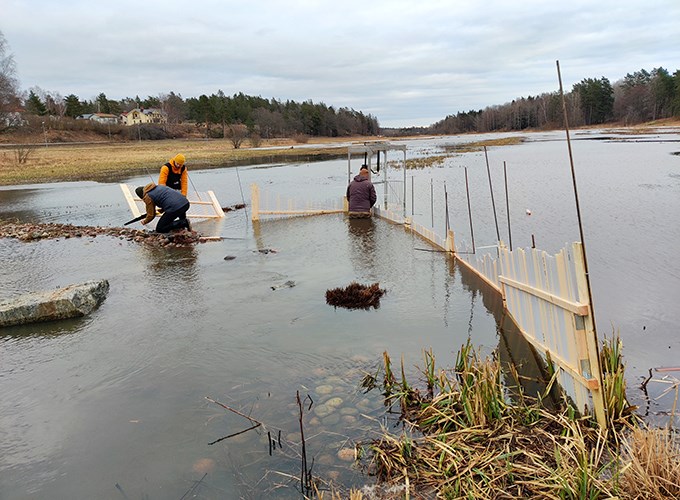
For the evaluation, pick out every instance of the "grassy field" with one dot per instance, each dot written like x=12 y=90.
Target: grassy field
x=115 y=161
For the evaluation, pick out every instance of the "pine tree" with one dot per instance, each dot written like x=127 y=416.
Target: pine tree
x=34 y=105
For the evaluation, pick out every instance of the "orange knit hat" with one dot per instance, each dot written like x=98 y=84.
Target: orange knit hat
x=179 y=160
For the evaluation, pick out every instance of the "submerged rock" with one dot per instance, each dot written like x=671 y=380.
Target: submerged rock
x=287 y=284
x=204 y=465
x=68 y=302
x=334 y=402
x=323 y=410
x=346 y=454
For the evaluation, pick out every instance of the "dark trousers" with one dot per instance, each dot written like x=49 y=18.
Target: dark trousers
x=173 y=220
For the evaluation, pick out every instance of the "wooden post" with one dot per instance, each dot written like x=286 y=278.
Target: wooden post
x=216 y=204
x=255 y=202
x=136 y=211
x=450 y=242
x=591 y=337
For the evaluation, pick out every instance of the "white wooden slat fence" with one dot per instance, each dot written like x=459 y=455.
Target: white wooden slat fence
x=267 y=203
x=545 y=295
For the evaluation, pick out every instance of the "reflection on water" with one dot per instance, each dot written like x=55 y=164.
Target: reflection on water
x=118 y=397
x=517 y=355
x=362 y=244
x=170 y=264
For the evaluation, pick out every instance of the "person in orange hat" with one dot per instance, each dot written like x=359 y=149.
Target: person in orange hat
x=174 y=174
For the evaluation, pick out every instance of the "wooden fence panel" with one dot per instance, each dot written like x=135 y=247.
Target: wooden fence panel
x=545 y=296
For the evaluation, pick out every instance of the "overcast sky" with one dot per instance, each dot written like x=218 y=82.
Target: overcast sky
x=405 y=62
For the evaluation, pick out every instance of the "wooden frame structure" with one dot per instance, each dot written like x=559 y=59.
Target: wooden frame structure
x=370 y=149
x=203 y=205
x=284 y=207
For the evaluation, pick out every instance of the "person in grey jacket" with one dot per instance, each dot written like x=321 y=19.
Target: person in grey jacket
x=173 y=204
x=361 y=194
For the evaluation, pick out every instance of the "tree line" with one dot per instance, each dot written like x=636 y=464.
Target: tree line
x=267 y=117
x=639 y=97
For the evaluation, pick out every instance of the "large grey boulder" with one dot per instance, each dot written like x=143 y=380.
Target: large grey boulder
x=67 y=302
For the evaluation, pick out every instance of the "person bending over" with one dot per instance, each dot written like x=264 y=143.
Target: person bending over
x=174 y=174
x=172 y=203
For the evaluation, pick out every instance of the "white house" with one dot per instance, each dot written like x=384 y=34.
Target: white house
x=138 y=115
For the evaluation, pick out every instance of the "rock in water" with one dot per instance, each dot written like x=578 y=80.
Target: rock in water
x=67 y=302
x=287 y=284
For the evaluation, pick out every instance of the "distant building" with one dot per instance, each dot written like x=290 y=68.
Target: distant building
x=104 y=118
x=141 y=116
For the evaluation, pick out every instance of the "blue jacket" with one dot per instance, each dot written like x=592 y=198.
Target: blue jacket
x=163 y=197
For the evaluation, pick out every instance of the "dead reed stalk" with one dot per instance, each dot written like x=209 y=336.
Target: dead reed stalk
x=465 y=437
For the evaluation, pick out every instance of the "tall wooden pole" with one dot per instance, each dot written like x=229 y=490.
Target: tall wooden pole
x=493 y=203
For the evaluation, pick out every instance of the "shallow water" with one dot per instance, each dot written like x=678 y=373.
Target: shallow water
x=118 y=398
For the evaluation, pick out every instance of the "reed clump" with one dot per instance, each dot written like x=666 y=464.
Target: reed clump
x=472 y=433
x=355 y=296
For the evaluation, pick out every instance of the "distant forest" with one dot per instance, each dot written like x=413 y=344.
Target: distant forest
x=639 y=97
x=268 y=117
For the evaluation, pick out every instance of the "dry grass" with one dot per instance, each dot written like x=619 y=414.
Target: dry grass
x=470 y=147
x=467 y=438
x=115 y=161
x=652 y=458
x=119 y=160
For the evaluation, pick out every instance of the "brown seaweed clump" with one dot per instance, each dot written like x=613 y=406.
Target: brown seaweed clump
x=238 y=206
x=355 y=296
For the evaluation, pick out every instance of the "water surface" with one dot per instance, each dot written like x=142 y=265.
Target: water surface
x=118 y=398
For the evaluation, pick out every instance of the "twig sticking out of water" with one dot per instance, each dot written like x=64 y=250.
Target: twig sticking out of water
x=234 y=411
x=305 y=473
x=193 y=488
x=120 y=488
x=235 y=434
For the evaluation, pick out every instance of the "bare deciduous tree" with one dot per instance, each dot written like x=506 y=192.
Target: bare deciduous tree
x=237 y=132
x=22 y=152
x=9 y=93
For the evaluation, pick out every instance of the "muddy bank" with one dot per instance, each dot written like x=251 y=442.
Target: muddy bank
x=34 y=232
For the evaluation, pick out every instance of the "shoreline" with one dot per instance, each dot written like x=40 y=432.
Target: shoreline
x=39 y=163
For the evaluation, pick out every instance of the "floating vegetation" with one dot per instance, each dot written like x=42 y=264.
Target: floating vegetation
x=471 y=147
x=238 y=206
x=469 y=435
x=419 y=163
x=355 y=296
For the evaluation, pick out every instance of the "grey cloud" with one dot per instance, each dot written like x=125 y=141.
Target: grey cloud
x=408 y=63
